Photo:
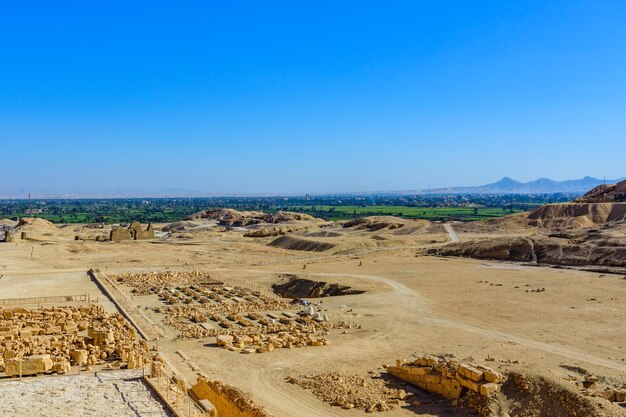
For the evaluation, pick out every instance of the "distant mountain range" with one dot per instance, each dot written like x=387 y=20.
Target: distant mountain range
x=541 y=186
x=505 y=186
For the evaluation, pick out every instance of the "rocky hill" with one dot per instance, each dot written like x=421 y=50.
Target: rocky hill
x=606 y=193
x=235 y=218
x=595 y=249
x=539 y=186
x=589 y=232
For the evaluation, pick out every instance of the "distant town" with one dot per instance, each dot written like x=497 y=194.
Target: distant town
x=159 y=210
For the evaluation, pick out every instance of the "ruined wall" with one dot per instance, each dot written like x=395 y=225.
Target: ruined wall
x=132 y=232
x=119 y=233
x=447 y=377
x=228 y=400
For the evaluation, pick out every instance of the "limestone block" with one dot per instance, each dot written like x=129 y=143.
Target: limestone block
x=471 y=372
x=225 y=340
x=70 y=327
x=435 y=388
x=31 y=365
x=61 y=366
x=490 y=375
x=489 y=388
x=451 y=388
x=432 y=379
x=79 y=356
x=419 y=371
x=468 y=383
x=53 y=330
x=101 y=338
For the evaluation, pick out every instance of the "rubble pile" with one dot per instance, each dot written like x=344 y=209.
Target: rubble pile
x=262 y=342
x=447 y=377
x=52 y=339
x=152 y=282
x=352 y=391
x=616 y=393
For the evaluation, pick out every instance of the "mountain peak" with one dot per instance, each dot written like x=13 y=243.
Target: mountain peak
x=507 y=182
x=508 y=185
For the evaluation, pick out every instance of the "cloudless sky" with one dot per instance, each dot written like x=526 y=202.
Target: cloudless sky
x=317 y=96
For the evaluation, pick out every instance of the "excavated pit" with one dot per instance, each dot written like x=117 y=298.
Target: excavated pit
x=294 y=287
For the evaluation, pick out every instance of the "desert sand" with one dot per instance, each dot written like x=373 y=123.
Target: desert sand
x=531 y=318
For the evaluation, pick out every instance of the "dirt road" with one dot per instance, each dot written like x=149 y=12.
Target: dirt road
x=451 y=232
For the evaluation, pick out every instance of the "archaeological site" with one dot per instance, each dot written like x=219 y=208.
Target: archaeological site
x=246 y=314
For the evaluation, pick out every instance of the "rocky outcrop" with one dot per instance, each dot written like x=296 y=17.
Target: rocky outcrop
x=590 y=231
x=396 y=225
x=558 y=249
x=576 y=215
x=375 y=223
x=606 y=193
x=235 y=218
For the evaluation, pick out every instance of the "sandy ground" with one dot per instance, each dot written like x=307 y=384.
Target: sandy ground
x=21 y=285
x=413 y=305
x=110 y=393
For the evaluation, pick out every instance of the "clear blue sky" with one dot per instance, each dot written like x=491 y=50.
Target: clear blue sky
x=318 y=96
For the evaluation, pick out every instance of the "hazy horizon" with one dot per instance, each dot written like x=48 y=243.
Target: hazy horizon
x=286 y=98
x=7 y=192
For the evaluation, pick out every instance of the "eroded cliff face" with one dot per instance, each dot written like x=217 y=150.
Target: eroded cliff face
x=576 y=215
x=551 y=250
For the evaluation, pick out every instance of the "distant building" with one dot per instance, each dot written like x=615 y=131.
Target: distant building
x=132 y=232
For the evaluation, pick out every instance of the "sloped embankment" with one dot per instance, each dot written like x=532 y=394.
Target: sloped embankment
x=543 y=250
x=576 y=215
x=296 y=243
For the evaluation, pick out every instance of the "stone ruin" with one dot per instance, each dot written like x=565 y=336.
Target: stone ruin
x=132 y=232
x=447 y=378
x=8 y=237
x=52 y=339
x=227 y=400
x=262 y=343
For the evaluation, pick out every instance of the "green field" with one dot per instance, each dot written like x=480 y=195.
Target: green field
x=163 y=216
x=171 y=210
x=428 y=213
